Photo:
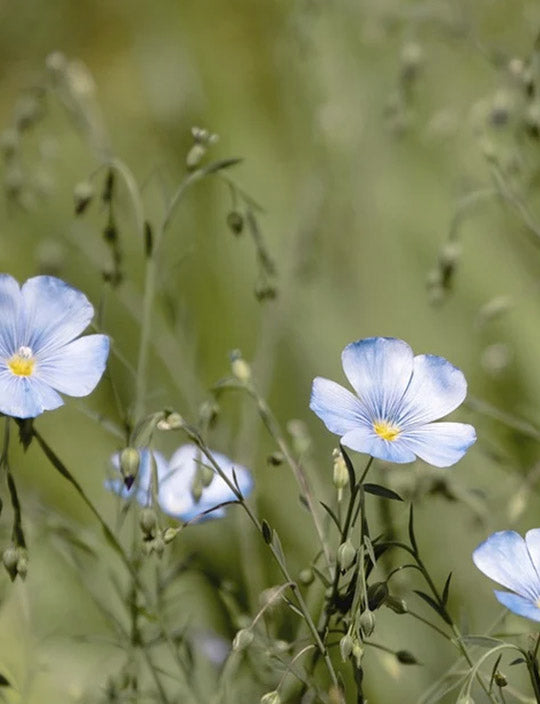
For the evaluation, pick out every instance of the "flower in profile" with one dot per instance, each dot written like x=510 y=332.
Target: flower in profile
x=188 y=486
x=398 y=398
x=507 y=558
x=39 y=353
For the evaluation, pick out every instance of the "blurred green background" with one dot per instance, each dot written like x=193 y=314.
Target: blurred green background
x=370 y=131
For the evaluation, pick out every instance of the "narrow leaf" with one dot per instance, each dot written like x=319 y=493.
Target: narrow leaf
x=482 y=641
x=436 y=607
x=446 y=590
x=331 y=514
x=412 y=538
x=381 y=491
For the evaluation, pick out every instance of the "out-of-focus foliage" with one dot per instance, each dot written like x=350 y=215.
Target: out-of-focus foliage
x=393 y=147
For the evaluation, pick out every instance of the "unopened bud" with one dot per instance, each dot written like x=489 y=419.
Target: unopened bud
x=173 y=421
x=195 y=155
x=170 y=534
x=196 y=488
x=82 y=195
x=240 y=368
x=377 y=594
x=243 y=639
x=450 y=254
x=357 y=653
x=346 y=555
x=235 y=222
x=406 y=658
x=158 y=546
x=148 y=522
x=367 y=623
x=306 y=576
x=340 y=475
x=208 y=413
x=130 y=459
x=56 y=62
x=398 y=606
x=10 y=558
x=500 y=679
x=346 y=647
x=276 y=458
x=207 y=475
x=271 y=698
x=22 y=564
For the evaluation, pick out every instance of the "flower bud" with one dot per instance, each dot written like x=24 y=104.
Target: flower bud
x=195 y=155
x=10 y=558
x=130 y=460
x=367 y=623
x=173 y=421
x=170 y=534
x=406 y=658
x=306 y=576
x=82 y=195
x=240 y=368
x=242 y=640
x=22 y=564
x=398 y=606
x=376 y=595
x=466 y=699
x=158 y=546
x=346 y=555
x=500 y=679
x=148 y=522
x=340 y=475
x=346 y=646
x=357 y=652
x=207 y=475
x=235 y=222
x=196 y=488
x=271 y=698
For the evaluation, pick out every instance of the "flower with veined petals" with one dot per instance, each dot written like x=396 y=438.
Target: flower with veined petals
x=177 y=479
x=507 y=558
x=39 y=355
x=398 y=397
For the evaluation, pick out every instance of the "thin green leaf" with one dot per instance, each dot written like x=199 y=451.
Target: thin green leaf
x=412 y=537
x=446 y=590
x=482 y=641
x=220 y=165
x=433 y=604
x=331 y=514
x=381 y=491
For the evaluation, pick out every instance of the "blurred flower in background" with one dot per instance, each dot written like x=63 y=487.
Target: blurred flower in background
x=188 y=486
x=399 y=396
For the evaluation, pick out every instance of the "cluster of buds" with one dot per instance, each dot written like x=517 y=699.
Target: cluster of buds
x=15 y=559
x=202 y=139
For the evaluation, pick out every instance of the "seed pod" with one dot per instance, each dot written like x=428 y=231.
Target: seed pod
x=346 y=555
x=243 y=639
x=346 y=647
x=367 y=623
x=148 y=522
x=130 y=460
x=10 y=558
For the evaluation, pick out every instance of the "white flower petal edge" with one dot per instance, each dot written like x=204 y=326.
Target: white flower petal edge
x=77 y=367
x=518 y=604
x=24 y=398
x=379 y=370
x=532 y=540
x=10 y=314
x=436 y=388
x=440 y=444
x=504 y=558
x=339 y=409
x=55 y=313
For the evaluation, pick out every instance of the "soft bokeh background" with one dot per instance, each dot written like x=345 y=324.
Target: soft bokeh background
x=366 y=128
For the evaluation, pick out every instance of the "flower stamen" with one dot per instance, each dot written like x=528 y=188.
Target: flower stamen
x=22 y=363
x=386 y=430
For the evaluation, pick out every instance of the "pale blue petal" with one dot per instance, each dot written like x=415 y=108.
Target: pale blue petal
x=77 y=367
x=10 y=316
x=504 y=558
x=435 y=389
x=519 y=605
x=175 y=492
x=25 y=397
x=440 y=444
x=54 y=313
x=365 y=440
x=532 y=540
x=379 y=370
x=339 y=409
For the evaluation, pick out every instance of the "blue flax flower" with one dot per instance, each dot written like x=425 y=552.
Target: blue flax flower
x=39 y=355
x=506 y=558
x=187 y=486
x=398 y=397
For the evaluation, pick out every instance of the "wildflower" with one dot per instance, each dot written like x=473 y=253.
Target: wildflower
x=176 y=481
x=39 y=355
x=507 y=558
x=398 y=397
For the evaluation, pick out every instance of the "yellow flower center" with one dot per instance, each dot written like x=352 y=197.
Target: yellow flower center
x=386 y=430
x=22 y=363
